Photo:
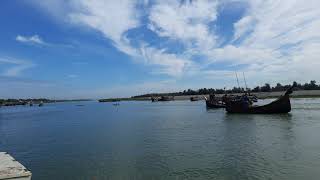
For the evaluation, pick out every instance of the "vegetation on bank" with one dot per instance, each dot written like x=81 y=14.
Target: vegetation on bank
x=30 y=100
x=2 y=101
x=110 y=100
x=265 y=88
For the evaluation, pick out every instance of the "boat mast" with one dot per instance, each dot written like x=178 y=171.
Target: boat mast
x=245 y=82
x=237 y=79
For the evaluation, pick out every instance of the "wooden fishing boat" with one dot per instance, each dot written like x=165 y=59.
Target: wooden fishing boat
x=281 y=105
x=166 y=98
x=215 y=104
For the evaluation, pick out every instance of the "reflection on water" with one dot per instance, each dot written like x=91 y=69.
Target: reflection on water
x=164 y=140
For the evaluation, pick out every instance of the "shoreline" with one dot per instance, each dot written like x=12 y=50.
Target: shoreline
x=260 y=95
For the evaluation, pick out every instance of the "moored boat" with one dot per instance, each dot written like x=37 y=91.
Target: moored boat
x=281 y=105
x=195 y=98
x=166 y=98
x=213 y=102
x=154 y=99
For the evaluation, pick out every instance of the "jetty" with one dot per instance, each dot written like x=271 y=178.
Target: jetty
x=10 y=169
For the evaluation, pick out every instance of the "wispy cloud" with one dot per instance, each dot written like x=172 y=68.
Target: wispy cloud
x=186 y=22
x=35 y=39
x=112 y=18
x=15 y=66
x=278 y=40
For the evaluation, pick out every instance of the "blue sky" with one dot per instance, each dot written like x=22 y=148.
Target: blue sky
x=104 y=48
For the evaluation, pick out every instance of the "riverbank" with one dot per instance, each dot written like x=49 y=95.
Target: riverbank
x=260 y=95
x=23 y=102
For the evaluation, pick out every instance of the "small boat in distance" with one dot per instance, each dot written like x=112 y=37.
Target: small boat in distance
x=211 y=104
x=40 y=104
x=166 y=98
x=162 y=98
x=154 y=99
x=281 y=105
x=194 y=98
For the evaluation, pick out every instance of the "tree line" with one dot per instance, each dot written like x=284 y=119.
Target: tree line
x=24 y=100
x=312 y=85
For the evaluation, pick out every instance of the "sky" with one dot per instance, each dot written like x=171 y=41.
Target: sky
x=106 y=48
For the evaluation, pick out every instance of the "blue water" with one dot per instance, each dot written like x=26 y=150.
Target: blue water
x=164 y=140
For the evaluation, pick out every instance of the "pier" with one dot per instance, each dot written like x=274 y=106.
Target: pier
x=12 y=169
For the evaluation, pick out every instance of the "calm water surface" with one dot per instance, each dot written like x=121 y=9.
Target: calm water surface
x=164 y=140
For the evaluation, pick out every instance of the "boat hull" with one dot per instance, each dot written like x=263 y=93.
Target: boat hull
x=213 y=105
x=281 y=105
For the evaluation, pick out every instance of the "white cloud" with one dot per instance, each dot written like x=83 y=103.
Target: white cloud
x=279 y=40
x=243 y=26
x=170 y=64
x=56 y=8
x=187 y=22
x=275 y=39
x=35 y=39
x=281 y=22
x=15 y=66
x=243 y=55
x=112 y=18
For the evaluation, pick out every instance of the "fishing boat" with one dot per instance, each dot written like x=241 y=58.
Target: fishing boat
x=154 y=99
x=166 y=98
x=217 y=104
x=213 y=102
x=281 y=105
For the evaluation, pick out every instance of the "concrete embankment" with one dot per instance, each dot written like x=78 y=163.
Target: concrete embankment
x=10 y=169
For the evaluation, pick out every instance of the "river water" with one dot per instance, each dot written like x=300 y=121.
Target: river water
x=163 y=140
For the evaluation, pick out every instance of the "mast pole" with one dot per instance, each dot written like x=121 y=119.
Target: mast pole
x=237 y=79
x=245 y=82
